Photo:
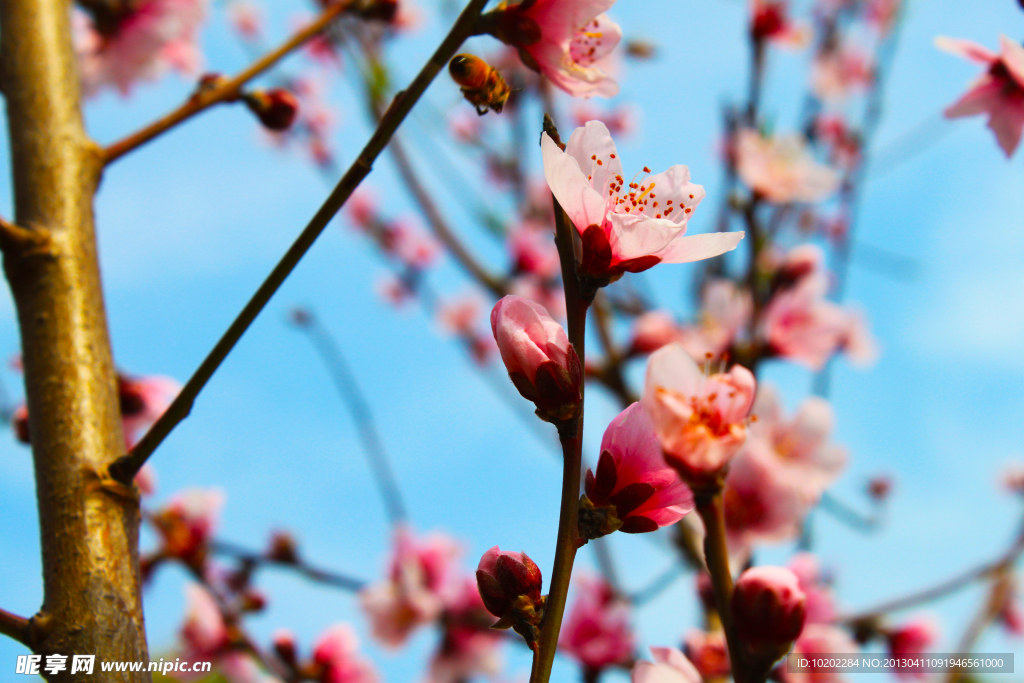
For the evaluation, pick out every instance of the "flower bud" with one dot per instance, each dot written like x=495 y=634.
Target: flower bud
x=284 y=646
x=768 y=608
x=510 y=585
x=276 y=108
x=541 y=362
x=283 y=548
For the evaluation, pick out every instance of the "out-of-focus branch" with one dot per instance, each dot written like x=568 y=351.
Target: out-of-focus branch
x=227 y=91
x=359 y=408
x=13 y=626
x=324 y=576
x=997 y=595
x=657 y=586
x=421 y=195
x=126 y=467
x=847 y=515
x=962 y=580
x=611 y=371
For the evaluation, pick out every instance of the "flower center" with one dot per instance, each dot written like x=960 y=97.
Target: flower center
x=585 y=46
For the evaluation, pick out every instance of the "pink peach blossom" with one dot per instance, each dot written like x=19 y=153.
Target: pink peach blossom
x=911 y=640
x=669 y=666
x=460 y=315
x=725 y=310
x=700 y=420
x=1012 y=478
x=632 y=476
x=820 y=602
x=421 y=578
x=241 y=667
x=621 y=120
x=654 y=329
x=800 y=444
x=570 y=42
x=548 y=293
x=764 y=502
x=337 y=653
x=820 y=639
x=147 y=41
x=469 y=646
x=246 y=18
x=770 y=21
x=146 y=480
x=800 y=323
x=203 y=632
x=841 y=72
x=532 y=248
x=596 y=632
x=541 y=362
x=406 y=240
x=143 y=401
x=187 y=523
x=708 y=652
x=781 y=169
x=998 y=92
x=631 y=231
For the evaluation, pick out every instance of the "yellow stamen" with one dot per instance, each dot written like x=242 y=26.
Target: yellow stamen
x=644 y=193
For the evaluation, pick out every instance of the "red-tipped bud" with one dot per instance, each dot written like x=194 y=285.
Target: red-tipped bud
x=276 y=108
x=641 y=49
x=768 y=608
x=880 y=487
x=381 y=10
x=283 y=548
x=541 y=362
x=284 y=646
x=510 y=585
x=706 y=591
x=19 y=423
x=253 y=601
x=769 y=20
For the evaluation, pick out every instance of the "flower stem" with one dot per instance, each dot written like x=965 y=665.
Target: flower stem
x=716 y=554
x=127 y=466
x=571 y=437
x=227 y=91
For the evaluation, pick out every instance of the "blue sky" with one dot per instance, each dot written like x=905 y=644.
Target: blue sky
x=189 y=226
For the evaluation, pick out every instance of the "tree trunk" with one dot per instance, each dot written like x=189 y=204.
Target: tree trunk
x=89 y=525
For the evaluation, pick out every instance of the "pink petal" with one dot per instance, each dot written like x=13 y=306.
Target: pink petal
x=636 y=236
x=569 y=184
x=967 y=49
x=700 y=247
x=594 y=140
x=1012 y=54
x=674 y=186
x=1007 y=122
x=984 y=96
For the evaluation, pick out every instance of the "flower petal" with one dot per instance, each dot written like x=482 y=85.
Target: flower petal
x=568 y=183
x=699 y=247
x=967 y=49
x=594 y=150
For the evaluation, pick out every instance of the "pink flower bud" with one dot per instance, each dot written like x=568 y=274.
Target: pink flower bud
x=285 y=647
x=911 y=641
x=540 y=361
x=596 y=632
x=503 y=576
x=633 y=490
x=276 y=108
x=768 y=608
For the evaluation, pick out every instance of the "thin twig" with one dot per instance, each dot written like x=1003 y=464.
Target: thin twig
x=847 y=515
x=423 y=199
x=359 y=408
x=13 y=626
x=126 y=467
x=324 y=576
x=947 y=587
x=658 y=585
x=229 y=90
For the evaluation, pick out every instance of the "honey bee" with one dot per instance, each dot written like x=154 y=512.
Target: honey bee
x=481 y=84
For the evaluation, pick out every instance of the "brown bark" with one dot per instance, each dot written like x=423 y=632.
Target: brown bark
x=88 y=525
